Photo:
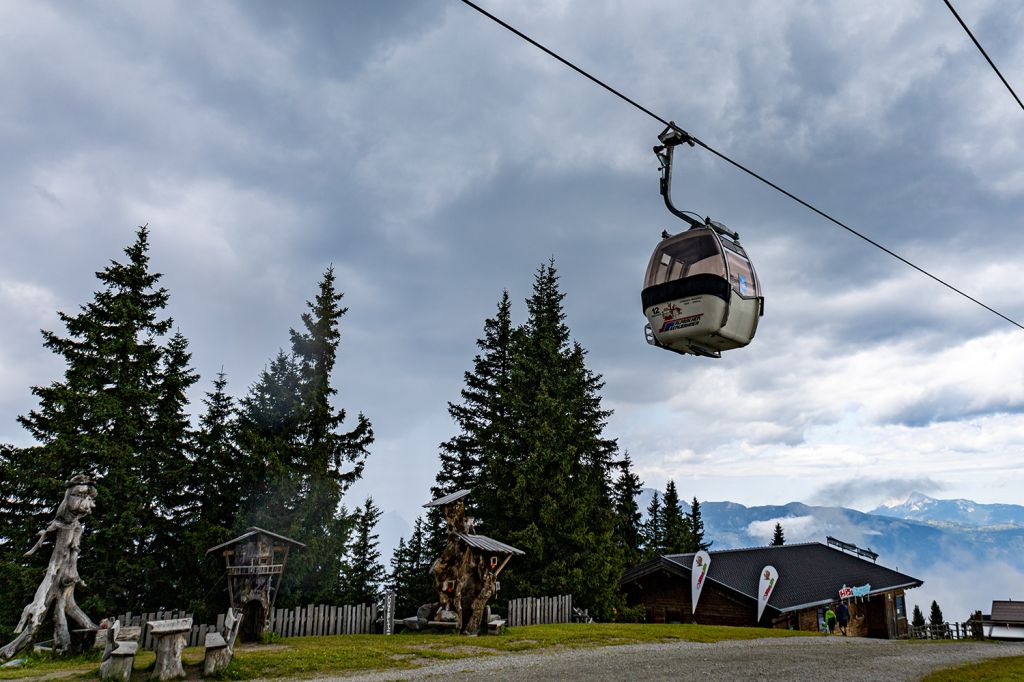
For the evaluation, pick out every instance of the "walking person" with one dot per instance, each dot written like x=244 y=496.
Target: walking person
x=830 y=620
x=843 y=616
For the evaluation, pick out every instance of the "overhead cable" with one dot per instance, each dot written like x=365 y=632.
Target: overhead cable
x=984 y=54
x=738 y=165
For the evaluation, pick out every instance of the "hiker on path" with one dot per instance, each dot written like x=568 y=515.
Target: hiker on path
x=843 y=616
x=830 y=620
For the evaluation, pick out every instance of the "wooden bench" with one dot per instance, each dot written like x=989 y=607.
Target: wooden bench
x=220 y=646
x=119 y=652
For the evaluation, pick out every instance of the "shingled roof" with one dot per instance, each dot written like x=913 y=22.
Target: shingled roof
x=810 y=574
x=1008 y=611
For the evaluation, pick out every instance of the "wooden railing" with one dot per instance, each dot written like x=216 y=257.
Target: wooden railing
x=971 y=629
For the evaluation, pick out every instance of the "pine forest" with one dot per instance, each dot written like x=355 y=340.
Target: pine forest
x=528 y=439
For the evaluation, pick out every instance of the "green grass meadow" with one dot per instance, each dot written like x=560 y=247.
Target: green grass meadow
x=303 y=657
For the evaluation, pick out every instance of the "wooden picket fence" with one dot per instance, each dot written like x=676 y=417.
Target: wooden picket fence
x=320 y=619
x=540 y=610
x=302 y=621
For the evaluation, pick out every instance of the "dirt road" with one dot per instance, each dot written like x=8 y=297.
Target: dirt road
x=811 y=659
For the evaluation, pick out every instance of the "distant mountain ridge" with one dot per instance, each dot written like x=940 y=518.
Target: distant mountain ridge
x=920 y=507
x=968 y=554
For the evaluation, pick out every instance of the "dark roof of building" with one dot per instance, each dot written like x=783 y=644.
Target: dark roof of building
x=253 y=530
x=486 y=544
x=1008 y=611
x=810 y=574
x=447 y=499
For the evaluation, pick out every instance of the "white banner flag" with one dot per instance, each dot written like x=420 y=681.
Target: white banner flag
x=769 y=579
x=698 y=571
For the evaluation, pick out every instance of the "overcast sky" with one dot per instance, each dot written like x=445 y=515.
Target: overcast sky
x=435 y=160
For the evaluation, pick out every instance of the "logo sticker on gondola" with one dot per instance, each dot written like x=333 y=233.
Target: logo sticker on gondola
x=681 y=323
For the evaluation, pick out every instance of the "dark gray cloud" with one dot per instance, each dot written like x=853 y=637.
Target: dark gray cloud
x=435 y=160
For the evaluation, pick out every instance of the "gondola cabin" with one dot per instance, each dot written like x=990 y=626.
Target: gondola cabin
x=701 y=294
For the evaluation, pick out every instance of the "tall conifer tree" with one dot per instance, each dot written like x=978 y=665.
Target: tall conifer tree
x=216 y=482
x=549 y=472
x=695 y=525
x=482 y=419
x=410 y=572
x=288 y=424
x=628 y=531
x=678 y=538
x=654 y=529
x=364 y=577
x=118 y=413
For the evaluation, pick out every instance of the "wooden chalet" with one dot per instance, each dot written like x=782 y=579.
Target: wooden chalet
x=811 y=576
x=1006 y=621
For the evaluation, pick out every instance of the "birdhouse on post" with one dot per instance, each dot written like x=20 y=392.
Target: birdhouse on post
x=255 y=562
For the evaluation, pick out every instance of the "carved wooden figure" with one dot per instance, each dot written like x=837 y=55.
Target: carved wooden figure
x=465 y=574
x=56 y=592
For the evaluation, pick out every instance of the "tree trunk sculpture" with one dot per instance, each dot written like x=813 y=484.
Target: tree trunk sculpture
x=451 y=570
x=465 y=574
x=57 y=590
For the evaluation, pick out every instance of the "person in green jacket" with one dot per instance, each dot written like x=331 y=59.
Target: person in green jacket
x=830 y=620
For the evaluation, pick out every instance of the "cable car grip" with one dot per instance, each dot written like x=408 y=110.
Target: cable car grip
x=671 y=137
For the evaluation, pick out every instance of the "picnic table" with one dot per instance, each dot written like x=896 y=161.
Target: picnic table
x=170 y=637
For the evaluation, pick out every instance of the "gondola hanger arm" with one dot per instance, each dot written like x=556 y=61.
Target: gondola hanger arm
x=671 y=137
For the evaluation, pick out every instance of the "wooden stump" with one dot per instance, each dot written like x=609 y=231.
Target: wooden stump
x=56 y=592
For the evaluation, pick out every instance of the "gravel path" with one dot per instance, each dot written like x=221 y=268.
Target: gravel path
x=811 y=659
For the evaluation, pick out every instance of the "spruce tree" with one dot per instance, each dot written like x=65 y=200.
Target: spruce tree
x=410 y=578
x=678 y=538
x=118 y=413
x=654 y=529
x=778 y=538
x=18 y=579
x=918 y=618
x=398 y=578
x=628 y=529
x=482 y=418
x=936 y=617
x=215 y=484
x=549 y=473
x=695 y=525
x=288 y=425
x=172 y=445
x=364 y=577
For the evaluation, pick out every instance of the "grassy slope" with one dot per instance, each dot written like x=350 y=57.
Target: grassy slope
x=317 y=656
x=311 y=656
x=1009 y=669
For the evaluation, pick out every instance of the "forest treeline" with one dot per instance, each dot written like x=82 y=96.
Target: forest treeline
x=529 y=442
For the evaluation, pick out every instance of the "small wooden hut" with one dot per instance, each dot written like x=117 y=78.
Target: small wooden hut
x=255 y=562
